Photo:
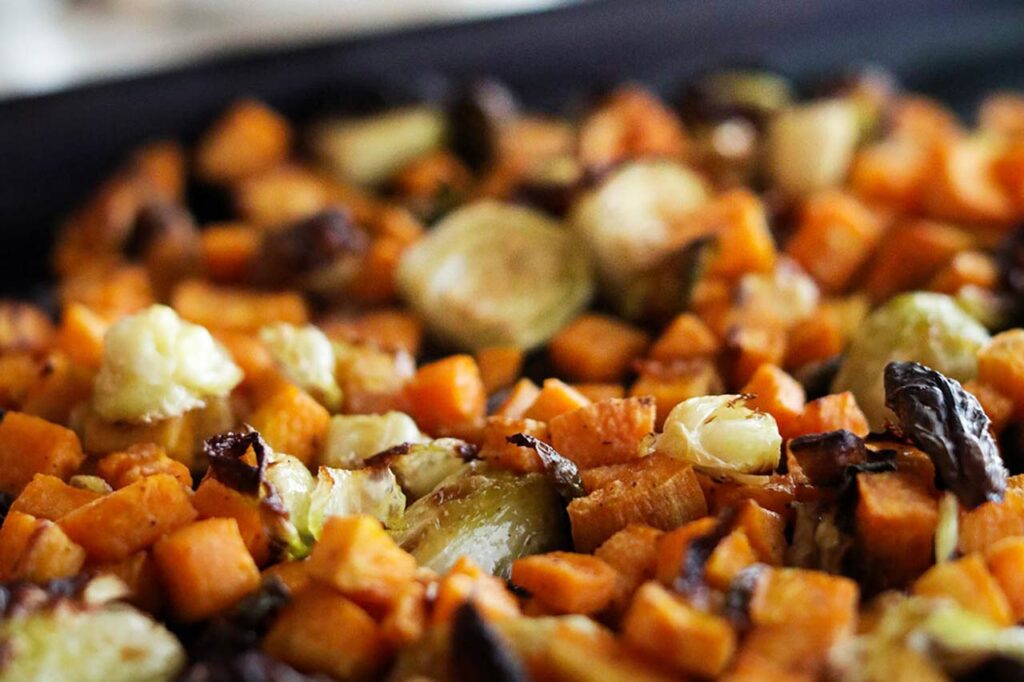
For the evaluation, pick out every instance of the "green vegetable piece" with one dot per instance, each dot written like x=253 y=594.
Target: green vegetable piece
x=344 y=492
x=921 y=327
x=492 y=516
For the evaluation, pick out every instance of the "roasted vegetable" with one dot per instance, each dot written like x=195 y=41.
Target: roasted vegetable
x=353 y=438
x=923 y=327
x=810 y=146
x=948 y=424
x=492 y=516
x=306 y=356
x=419 y=467
x=341 y=492
x=493 y=274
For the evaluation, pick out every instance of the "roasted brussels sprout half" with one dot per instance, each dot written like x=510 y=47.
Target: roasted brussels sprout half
x=745 y=93
x=420 y=467
x=353 y=438
x=492 y=516
x=924 y=327
x=810 y=146
x=494 y=274
x=373 y=491
x=307 y=358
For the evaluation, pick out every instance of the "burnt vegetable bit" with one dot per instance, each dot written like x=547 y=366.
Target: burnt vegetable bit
x=740 y=592
x=247 y=666
x=225 y=452
x=1011 y=273
x=563 y=472
x=243 y=627
x=478 y=652
x=824 y=457
x=290 y=255
x=690 y=579
x=950 y=426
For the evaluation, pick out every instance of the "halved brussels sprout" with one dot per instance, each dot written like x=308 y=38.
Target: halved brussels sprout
x=810 y=146
x=425 y=465
x=921 y=327
x=370 y=150
x=352 y=438
x=108 y=644
x=785 y=296
x=343 y=492
x=720 y=435
x=492 y=516
x=286 y=499
x=626 y=222
x=750 y=94
x=307 y=358
x=494 y=274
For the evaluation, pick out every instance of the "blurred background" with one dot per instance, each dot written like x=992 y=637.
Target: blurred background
x=50 y=44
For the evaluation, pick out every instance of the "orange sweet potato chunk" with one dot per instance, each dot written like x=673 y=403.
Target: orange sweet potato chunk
x=292 y=421
x=831 y=413
x=30 y=445
x=48 y=497
x=213 y=499
x=686 y=337
x=495 y=448
x=778 y=394
x=36 y=550
x=603 y=433
x=968 y=582
x=447 y=394
x=597 y=348
x=554 y=398
x=633 y=553
x=566 y=582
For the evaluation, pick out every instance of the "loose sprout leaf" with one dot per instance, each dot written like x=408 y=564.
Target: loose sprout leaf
x=739 y=594
x=823 y=457
x=563 y=472
x=950 y=426
x=478 y=652
x=225 y=452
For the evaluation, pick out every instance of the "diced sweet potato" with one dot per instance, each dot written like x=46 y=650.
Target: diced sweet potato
x=732 y=554
x=59 y=388
x=963 y=187
x=689 y=641
x=80 y=335
x=896 y=518
x=764 y=529
x=249 y=138
x=632 y=552
x=36 y=550
x=138 y=461
x=1001 y=365
x=672 y=547
x=48 y=497
x=596 y=393
x=911 y=254
x=603 y=433
x=237 y=309
x=892 y=171
x=968 y=268
x=685 y=338
x=321 y=631
x=664 y=495
x=777 y=495
x=406 y=619
x=205 y=567
x=834 y=238
x=466 y=581
x=30 y=445
x=389 y=330
x=116 y=525
x=109 y=292
x=292 y=421
x=281 y=196
x=993 y=521
x=999 y=408
x=597 y=348
x=555 y=397
x=495 y=448
x=832 y=413
x=499 y=366
x=968 y=582
x=176 y=435
x=673 y=382
x=747 y=347
x=447 y=394
x=778 y=394
x=519 y=399
x=817 y=338
x=1005 y=560
x=357 y=557
x=739 y=223
x=229 y=251
x=566 y=582
x=213 y=499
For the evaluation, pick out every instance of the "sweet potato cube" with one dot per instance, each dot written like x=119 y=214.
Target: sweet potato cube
x=321 y=631
x=30 y=445
x=357 y=557
x=777 y=495
x=495 y=448
x=968 y=268
x=968 y=582
x=389 y=330
x=633 y=553
x=121 y=523
x=597 y=348
x=291 y=421
x=679 y=636
x=80 y=335
x=294 y=574
x=213 y=499
x=817 y=338
x=1001 y=365
x=519 y=399
x=228 y=251
x=248 y=138
x=205 y=568
x=732 y=554
x=48 y=497
x=896 y=518
x=664 y=495
x=1005 y=560
x=778 y=394
x=748 y=346
x=237 y=309
x=673 y=545
x=832 y=413
x=670 y=383
x=764 y=529
x=466 y=581
x=603 y=433
x=911 y=254
x=36 y=550
x=555 y=398
x=406 y=620
x=566 y=582
x=596 y=393
x=993 y=521
x=964 y=187
x=739 y=222
x=499 y=366
x=138 y=461
x=447 y=394
x=686 y=337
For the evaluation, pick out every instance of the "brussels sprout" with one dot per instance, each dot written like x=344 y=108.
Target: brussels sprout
x=750 y=94
x=947 y=531
x=356 y=437
x=286 y=497
x=719 y=434
x=156 y=365
x=368 y=151
x=810 y=146
x=785 y=296
x=92 y=483
x=307 y=358
x=342 y=492
x=420 y=469
x=492 y=516
x=107 y=644
x=494 y=274
x=627 y=221
x=923 y=327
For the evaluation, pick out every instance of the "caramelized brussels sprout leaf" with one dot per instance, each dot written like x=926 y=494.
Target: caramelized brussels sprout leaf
x=564 y=473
